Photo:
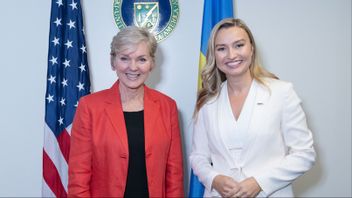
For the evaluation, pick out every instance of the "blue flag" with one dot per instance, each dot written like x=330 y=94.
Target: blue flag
x=213 y=12
x=67 y=81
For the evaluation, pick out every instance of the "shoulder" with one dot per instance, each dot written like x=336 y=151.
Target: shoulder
x=160 y=103
x=97 y=100
x=159 y=96
x=276 y=85
x=280 y=89
x=92 y=105
x=213 y=102
x=96 y=97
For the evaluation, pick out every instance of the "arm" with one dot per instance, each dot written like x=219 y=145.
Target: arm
x=200 y=155
x=201 y=161
x=80 y=154
x=300 y=156
x=174 y=167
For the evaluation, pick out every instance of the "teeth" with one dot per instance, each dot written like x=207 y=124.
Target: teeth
x=234 y=63
x=132 y=76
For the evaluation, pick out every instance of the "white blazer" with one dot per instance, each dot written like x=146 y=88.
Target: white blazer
x=278 y=147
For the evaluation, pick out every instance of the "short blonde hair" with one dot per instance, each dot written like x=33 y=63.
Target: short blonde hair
x=131 y=36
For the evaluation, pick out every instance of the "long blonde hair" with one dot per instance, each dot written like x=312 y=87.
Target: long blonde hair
x=212 y=77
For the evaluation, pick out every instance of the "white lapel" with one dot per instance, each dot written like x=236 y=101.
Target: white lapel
x=258 y=116
x=226 y=122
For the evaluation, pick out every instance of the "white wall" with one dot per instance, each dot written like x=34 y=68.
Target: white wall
x=306 y=42
x=309 y=43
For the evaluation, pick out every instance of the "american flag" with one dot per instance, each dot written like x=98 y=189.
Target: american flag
x=67 y=81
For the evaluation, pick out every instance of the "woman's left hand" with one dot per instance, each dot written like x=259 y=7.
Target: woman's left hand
x=248 y=188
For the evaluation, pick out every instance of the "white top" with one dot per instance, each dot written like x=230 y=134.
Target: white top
x=236 y=130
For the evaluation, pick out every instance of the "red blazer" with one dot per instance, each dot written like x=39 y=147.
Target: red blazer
x=98 y=160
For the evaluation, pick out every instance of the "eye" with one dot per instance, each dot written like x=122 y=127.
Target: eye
x=239 y=45
x=219 y=49
x=124 y=59
x=142 y=60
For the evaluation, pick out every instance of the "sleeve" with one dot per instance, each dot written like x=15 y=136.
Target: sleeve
x=298 y=139
x=174 y=169
x=200 y=154
x=80 y=153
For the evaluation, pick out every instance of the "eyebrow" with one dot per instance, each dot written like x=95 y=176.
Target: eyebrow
x=123 y=54
x=241 y=40
x=126 y=55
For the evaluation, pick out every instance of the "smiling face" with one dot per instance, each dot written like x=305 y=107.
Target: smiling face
x=133 y=66
x=233 y=52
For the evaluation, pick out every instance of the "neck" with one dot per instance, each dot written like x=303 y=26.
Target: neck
x=239 y=85
x=132 y=99
x=131 y=94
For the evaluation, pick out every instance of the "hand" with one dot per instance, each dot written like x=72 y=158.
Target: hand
x=248 y=188
x=225 y=186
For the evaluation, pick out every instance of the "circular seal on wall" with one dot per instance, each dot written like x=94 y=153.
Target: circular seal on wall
x=159 y=16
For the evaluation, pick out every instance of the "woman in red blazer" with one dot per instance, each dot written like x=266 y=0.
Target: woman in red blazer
x=126 y=140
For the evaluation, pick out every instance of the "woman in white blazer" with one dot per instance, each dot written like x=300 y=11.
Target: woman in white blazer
x=250 y=132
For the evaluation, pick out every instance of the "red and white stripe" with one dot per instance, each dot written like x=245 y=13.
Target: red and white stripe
x=55 y=163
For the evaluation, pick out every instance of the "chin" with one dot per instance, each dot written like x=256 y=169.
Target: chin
x=134 y=85
x=238 y=73
x=131 y=84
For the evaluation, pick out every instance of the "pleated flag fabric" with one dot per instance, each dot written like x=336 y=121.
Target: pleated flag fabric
x=67 y=81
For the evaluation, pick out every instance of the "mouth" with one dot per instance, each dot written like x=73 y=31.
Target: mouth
x=233 y=63
x=132 y=76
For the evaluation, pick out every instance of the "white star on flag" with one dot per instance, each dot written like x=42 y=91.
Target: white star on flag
x=57 y=22
x=62 y=101
x=64 y=82
x=50 y=98
x=67 y=63
x=71 y=24
x=68 y=43
x=55 y=41
x=52 y=79
x=73 y=5
x=83 y=48
x=53 y=60
x=80 y=86
x=59 y=3
x=82 y=67
x=61 y=120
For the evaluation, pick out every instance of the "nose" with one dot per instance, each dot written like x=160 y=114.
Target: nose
x=133 y=65
x=232 y=53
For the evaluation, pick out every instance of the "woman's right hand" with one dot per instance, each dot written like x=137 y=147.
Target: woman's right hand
x=225 y=185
